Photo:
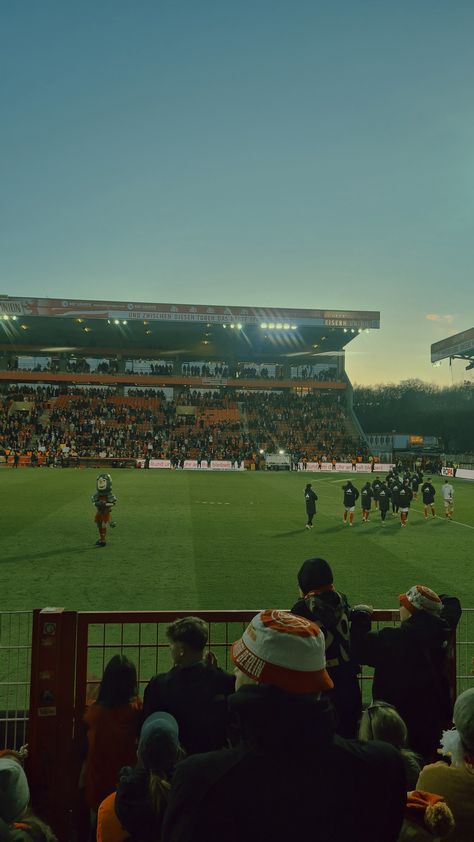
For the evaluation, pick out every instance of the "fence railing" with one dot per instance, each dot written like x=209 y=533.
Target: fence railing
x=15 y=671
x=51 y=663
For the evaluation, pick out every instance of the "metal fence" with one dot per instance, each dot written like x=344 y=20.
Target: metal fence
x=52 y=661
x=15 y=669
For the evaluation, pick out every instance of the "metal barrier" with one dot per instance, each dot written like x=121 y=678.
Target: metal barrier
x=65 y=653
x=15 y=669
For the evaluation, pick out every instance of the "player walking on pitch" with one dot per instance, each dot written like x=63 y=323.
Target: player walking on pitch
x=428 y=493
x=351 y=494
x=310 y=499
x=447 y=493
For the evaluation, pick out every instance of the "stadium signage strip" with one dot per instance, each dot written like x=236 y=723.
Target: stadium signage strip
x=346 y=467
x=457 y=344
x=198 y=313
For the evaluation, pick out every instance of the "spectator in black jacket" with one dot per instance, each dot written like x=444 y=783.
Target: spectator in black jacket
x=194 y=691
x=385 y=496
x=329 y=609
x=289 y=776
x=410 y=662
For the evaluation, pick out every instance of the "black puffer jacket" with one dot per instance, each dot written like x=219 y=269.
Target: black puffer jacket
x=410 y=669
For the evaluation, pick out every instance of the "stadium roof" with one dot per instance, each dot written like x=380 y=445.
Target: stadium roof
x=45 y=325
x=460 y=346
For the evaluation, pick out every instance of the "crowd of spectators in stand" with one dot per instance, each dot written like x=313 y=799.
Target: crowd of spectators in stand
x=82 y=365
x=88 y=423
x=283 y=747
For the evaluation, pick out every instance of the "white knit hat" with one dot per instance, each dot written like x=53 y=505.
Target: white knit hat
x=14 y=791
x=285 y=650
x=421 y=598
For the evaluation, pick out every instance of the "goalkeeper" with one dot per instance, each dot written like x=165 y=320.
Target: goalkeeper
x=104 y=501
x=447 y=493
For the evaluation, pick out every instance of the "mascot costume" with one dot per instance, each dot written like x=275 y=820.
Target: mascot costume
x=104 y=501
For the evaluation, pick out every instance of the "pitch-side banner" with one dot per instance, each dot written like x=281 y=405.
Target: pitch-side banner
x=447 y=472
x=464 y=473
x=346 y=467
x=155 y=463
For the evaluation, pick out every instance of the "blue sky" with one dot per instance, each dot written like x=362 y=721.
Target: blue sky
x=302 y=154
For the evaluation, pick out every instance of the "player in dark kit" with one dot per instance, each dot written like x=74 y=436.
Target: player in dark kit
x=395 y=491
x=428 y=493
x=104 y=501
x=405 y=497
x=384 y=501
x=375 y=489
x=415 y=484
x=366 y=495
x=351 y=494
x=310 y=499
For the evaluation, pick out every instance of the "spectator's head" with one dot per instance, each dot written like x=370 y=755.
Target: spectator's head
x=158 y=748
x=282 y=650
x=14 y=791
x=187 y=639
x=459 y=742
x=315 y=574
x=119 y=683
x=419 y=598
x=381 y=721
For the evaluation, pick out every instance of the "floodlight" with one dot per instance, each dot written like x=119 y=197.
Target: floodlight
x=281 y=452
x=124 y=322
x=271 y=326
x=279 y=326
x=286 y=327
x=116 y=321
x=294 y=327
x=264 y=325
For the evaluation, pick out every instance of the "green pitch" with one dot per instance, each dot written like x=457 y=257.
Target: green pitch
x=186 y=540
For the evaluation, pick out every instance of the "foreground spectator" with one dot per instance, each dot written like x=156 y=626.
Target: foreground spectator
x=426 y=816
x=112 y=723
x=17 y=822
x=329 y=609
x=456 y=782
x=194 y=691
x=289 y=776
x=380 y=721
x=410 y=662
x=136 y=810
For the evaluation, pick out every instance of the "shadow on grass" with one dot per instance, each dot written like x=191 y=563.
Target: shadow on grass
x=27 y=556
x=293 y=532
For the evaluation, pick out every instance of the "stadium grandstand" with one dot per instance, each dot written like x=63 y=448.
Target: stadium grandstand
x=457 y=347
x=119 y=381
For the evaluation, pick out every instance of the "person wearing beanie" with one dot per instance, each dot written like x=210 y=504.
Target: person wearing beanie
x=366 y=496
x=310 y=498
x=456 y=782
x=410 y=662
x=17 y=822
x=287 y=772
x=427 y=815
x=329 y=609
x=136 y=810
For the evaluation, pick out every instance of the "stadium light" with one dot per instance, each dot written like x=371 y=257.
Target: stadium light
x=14 y=318
x=359 y=330
x=261 y=451
x=116 y=321
x=345 y=330
x=281 y=452
x=24 y=327
x=286 y=327
x=124 y=322
x=239 y=327
x=271 y=326
x=352 y=330
x=264 y=325
x=6 y=318
x=294 y=327
x=279 y=326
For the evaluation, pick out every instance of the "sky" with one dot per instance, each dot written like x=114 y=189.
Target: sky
x=285 y=153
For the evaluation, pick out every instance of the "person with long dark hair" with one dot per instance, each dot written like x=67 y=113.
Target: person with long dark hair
x=112 y=723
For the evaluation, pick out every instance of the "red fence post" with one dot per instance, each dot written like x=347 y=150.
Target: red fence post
x=51 y=719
